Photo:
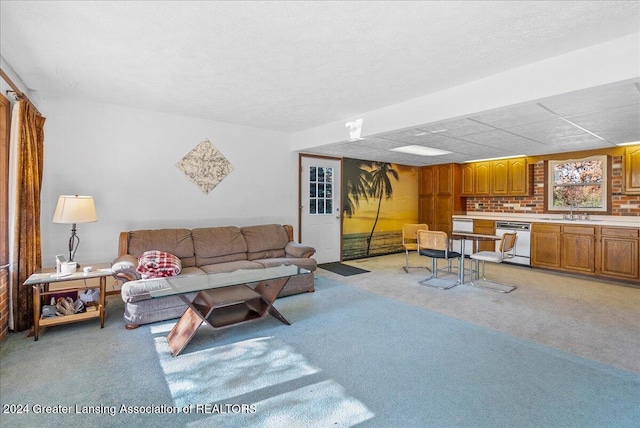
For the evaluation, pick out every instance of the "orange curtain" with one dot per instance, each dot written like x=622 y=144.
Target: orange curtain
x=27 y=250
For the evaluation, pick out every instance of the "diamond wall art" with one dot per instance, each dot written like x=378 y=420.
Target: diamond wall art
x=205 y=166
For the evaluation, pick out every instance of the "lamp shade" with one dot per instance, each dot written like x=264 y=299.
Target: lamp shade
x=73 y=209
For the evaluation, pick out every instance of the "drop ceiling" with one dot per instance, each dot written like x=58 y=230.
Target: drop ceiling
x=582 y=120
x=292 y=66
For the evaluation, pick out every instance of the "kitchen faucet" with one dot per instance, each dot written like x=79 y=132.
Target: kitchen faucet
x=572 y=206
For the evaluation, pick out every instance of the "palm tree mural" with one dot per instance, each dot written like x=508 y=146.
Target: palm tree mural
x=380 y=185
x=357 y=184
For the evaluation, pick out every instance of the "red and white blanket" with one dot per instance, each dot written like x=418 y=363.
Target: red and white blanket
x=158 y=264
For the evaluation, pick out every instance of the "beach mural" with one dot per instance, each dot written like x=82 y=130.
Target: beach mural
x=378 y=199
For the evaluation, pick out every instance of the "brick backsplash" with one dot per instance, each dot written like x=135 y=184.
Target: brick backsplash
x=621 y=204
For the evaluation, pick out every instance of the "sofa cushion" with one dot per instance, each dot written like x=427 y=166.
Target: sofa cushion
x=136 y=291
x=295 y=249
x=174 y=241
x=306 y=263
x=265 y=241
x=231 y=266
x=218 y=245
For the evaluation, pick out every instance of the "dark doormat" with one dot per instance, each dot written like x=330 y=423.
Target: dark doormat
x=342 y=269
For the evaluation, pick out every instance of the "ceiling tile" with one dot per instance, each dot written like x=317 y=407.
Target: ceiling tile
x=413 y=136
x=456 y=128
x=510 y=143
x=621 y=135
x=593 y=100
x=514 y=116
x=626 y=118
x=548 y=131
x=578 y=142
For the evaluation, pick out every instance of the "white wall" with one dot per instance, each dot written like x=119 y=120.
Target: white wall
x=125 y=158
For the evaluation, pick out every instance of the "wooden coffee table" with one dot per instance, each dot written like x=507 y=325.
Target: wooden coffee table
x=223 y=299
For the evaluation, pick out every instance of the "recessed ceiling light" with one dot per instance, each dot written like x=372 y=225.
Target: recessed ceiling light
x=420 y=150
x=420 y=134
x=438 y=130
x=632 y=143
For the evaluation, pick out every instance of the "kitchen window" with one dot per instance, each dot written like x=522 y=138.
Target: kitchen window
x=578 y=184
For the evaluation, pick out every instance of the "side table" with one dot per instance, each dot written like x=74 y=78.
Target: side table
x=40 y=281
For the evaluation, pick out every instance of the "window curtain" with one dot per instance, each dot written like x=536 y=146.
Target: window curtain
x=27 y=147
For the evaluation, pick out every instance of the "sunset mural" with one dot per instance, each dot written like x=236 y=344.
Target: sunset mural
x=378 y=199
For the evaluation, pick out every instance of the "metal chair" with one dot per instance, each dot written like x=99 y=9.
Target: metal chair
x=505 y=251
x=410 y=242
x=435 y=244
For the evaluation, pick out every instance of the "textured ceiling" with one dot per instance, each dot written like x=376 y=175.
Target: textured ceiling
x=290 y=66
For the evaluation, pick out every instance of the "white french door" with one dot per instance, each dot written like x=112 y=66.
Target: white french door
x=321 y=212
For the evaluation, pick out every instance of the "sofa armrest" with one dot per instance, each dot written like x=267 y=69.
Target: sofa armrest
x=297 y=250
x=124 y=268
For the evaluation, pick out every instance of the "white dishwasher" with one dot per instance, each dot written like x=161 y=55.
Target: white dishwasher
x=523 y=243
x=462 y=225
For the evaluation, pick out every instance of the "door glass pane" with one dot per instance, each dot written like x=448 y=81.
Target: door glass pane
x=320 y=190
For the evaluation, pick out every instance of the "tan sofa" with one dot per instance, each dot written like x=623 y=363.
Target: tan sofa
x=206 y=250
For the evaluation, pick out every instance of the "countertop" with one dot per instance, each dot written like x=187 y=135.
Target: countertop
x=594 y=220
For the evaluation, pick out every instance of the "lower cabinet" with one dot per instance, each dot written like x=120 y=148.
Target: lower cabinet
x=611 y=252
x=619 y=253
x=545 y=245
x=578 y=249
x=485 y=227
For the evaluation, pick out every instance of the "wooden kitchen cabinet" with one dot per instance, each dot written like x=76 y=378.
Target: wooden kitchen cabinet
x=578 y=248
x=632 y=170
x=447 y=178
x=468 y=179
x=485 y=227
x=545 y=245
x=476 y=179
x=605 y=251
x=427 y=181
x=482 y=171
x=518 y=179
x=619 y=253
x=500 y=177
x=505 y=177
x=440 y=196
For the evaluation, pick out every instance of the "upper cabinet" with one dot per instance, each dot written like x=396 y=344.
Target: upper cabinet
x=518 y=179
x=506 y=177
x=500 y=177
x=482 y=171
x=632 y=170
x=440 y=197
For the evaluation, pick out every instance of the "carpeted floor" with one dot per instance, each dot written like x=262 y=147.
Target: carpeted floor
x=351 y=357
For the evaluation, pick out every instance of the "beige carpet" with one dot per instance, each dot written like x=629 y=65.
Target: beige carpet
x=595 y=319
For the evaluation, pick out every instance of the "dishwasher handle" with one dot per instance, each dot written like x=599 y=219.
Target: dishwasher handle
x=513 y=226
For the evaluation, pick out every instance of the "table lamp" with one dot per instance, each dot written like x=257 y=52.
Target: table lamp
x=73 y=209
